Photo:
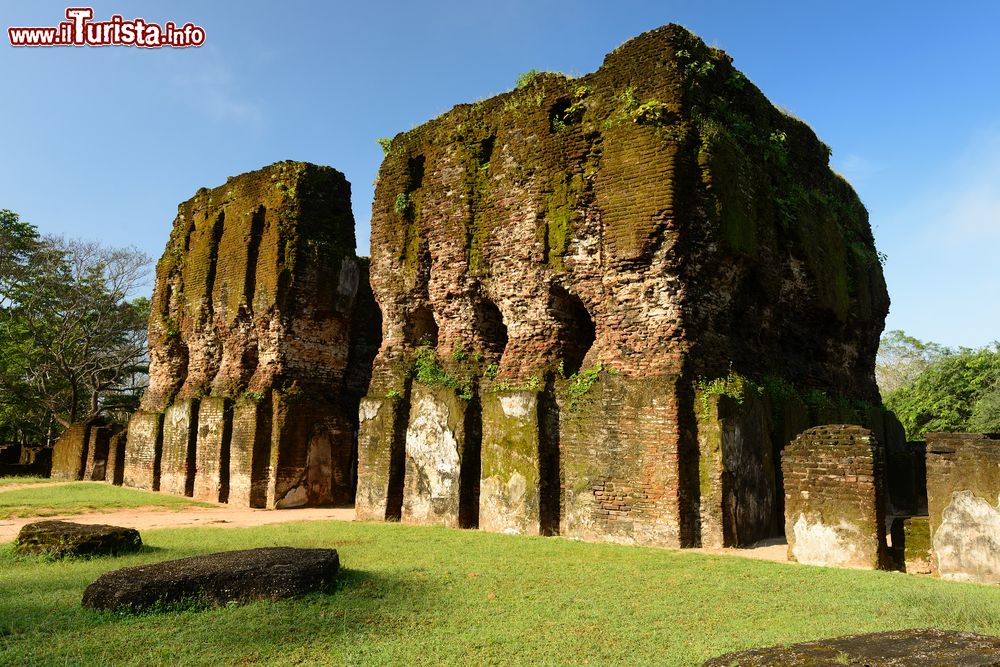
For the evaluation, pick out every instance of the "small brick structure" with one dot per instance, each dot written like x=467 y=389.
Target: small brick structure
x=88 y=451
x=963 y=487
x=99 y=451
x=834 y=498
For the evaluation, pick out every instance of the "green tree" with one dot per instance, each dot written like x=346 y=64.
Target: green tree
x=958 y=392
x=72 y=340
x=901 y=359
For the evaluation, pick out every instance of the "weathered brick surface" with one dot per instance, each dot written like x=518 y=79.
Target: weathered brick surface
x=659 y=217
x=738 y=477
x=99 y=451
x=250 y=452
x=70 y=451
x=511 y=494
x=963 y=492
x=115 y=469
x=835 y=498
x=180 y=432
x=143 y=451
x=253 y=303
x=440 y=437
x=215 y=432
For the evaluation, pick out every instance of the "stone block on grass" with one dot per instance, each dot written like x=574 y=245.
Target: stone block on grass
x=270 y=573
x=65 y=538
x=901 y=648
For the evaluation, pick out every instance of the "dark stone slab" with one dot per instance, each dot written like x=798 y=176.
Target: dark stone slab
x=65 y=538
x=900 y=648
x=270 y=573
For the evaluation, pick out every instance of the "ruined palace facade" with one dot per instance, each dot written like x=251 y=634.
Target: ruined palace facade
x=609 y=302
x=598 y=307
x=261 y=333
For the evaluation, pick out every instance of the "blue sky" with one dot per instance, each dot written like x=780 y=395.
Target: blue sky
x=103 y=143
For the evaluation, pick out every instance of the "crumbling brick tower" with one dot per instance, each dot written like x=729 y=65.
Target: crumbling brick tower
x=259 y=340
x=564 y=267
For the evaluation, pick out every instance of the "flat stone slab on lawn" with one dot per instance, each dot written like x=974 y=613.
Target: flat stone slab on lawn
x=901 y=648
x=65 y=538
x=270 y=573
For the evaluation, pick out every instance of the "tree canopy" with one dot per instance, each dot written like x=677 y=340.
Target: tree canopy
x=934 y=388
x=72 y=335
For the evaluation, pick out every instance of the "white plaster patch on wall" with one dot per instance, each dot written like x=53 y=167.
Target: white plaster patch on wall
x=179 y=415
x=432 y=450
x=966 y=545
x=819 y=544
x=369 y=408
x=503 y=507
x=516 y=406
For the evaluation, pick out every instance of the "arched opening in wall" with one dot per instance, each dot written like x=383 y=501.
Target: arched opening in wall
x=253 y=252
x=577 y=330
x=421 y=327
x=490 y=325
x=415 y=172
x=213 y=259
x=187 y=237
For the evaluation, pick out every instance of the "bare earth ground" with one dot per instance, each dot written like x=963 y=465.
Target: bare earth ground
x=241 y=517
x=164 y=517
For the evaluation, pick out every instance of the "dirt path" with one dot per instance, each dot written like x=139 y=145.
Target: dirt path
x=145 y=518
x=33 y=485
x=239 y=517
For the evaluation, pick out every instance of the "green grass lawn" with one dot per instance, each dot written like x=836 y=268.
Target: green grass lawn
x=419 y=595
x=81 y=497
x=10 y=481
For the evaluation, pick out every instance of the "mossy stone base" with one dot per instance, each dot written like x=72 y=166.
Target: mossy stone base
x=909 y=648
x=65 y=538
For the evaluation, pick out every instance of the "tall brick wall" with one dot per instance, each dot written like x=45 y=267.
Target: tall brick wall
x=835 y=498
x=963 y=504
x=69 y=453
x=568 y=259
x=254 y=381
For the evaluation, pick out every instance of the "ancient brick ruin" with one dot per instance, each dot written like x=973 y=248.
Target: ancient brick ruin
x=600 y=307
x=89 y=451
x=835 y=498
x=963 y=502
x=564 y=269
x=260 y=345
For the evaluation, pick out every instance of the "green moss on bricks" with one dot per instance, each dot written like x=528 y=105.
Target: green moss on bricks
x=513 y=447
x=561 y=214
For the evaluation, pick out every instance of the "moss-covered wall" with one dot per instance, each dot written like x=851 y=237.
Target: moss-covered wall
x=622 y=234
x=963 y=503
x=253 y=317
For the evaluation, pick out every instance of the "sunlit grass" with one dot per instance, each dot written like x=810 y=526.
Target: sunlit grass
x=82 y=497
x=11 y=481
x=416 y=595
